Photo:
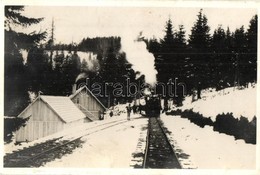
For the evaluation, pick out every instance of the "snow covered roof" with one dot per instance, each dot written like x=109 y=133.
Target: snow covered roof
x=64 y=107
x=85 y=87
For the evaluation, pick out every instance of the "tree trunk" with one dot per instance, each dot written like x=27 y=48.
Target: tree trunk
x=199 y=92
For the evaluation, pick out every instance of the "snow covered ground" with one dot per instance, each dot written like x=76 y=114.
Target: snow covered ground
x=239 y=102
x=208 y=149
x=113 y=147
x=109 y=148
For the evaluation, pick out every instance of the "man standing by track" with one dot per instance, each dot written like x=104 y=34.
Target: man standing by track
x=128 y=110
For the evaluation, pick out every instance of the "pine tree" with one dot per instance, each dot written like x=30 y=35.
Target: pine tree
x=218 y=65
x=57 y=74
x=153 y=46
x=58 y=60
x=169 y=36
x=50 y=43
x=20 y=40
x=180 y=36
x=165 y=59
x=240 y=49
x=199 y=43
x=70 y=70
x=230 y=58
x=39 y=71
x=252 y=50
x=180 y=63
x=181 y=53
x=15 y=88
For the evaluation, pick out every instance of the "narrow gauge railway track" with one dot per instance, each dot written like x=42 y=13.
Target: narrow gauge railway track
x=37 y=155
x=159 y=152
x=47 y=151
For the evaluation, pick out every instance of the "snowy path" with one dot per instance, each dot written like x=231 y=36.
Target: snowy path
x=109 y=148
x=209 y=149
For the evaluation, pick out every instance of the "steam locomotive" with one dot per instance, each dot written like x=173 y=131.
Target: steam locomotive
x=151 y=106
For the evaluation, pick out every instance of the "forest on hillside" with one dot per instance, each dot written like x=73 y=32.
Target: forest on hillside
x=224 y=59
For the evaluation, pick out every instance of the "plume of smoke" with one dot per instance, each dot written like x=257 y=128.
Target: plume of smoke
x=81 y=76
x=139 y=57
x=92 y=64
x=91 y=60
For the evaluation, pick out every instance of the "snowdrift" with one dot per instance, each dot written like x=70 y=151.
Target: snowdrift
x=239 y=102
x=230 y=111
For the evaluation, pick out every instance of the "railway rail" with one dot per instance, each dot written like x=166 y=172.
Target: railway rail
x=37 y=155
x=159 y=153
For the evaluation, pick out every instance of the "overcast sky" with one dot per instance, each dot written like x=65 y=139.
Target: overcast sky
x=75 y=23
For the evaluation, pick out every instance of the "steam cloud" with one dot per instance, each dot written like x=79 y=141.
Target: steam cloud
x=81 y=76
x=138 y=55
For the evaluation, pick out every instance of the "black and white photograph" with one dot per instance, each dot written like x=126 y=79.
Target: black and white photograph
x=143 y=89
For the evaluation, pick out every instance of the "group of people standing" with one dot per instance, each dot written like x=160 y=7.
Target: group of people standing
x=135 y=109
x=152 y=108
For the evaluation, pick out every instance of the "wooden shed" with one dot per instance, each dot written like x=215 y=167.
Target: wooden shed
x=88 y=103
x=48 y=115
